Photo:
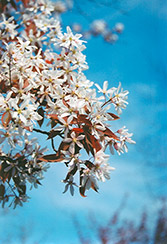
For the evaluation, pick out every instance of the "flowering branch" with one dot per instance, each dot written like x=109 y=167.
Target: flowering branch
x=44 y=86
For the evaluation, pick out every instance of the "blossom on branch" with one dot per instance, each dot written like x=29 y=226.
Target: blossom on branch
x=44 y=90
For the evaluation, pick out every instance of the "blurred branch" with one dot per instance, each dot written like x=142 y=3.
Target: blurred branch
x=126 y=231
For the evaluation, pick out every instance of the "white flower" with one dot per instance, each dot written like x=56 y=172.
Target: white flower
x=39 y=83
x=46 y=7
x=60 y=7
x=88 y=179
x=119 y=27
x=12 y=135
x=98 y=26
x=65 y=124
x=102 y=171
x=69 y=39
x=101 y=157
x=119 y=99
x=125 y=136
x=20 y=111
x=74 y=140
x=9 y=27
x=104 y=90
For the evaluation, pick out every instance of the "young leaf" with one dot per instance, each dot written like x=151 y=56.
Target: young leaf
x=114 y=116
x=89 y=164
x=94 y=187
x=82 y=189
x=6 y=117
x=25 y=3
x=72 y=172
x=2 y=190
x=109 y=133
x=78 y=130
x=51 y=158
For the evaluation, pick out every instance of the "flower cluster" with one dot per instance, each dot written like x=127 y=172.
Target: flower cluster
x=42 y=85
x=99 y=27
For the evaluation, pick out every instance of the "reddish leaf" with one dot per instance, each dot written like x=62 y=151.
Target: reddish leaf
x=38 y=182
x=30 y=25
x=109 y=133
x=82 y=189
x=4 y=175
x=53 y=116
x=95 y=143
x=78 y=130
x=51 y=158
x=6 y=117
x=93 y=187
x=28 y=128
x=88 y=145
x=63 y=146
x=86 y=109
x=72 y=172
x=25 y=3
x=64 y=102
x=82 y=118
x=17 y=155
x=26 y=83
x=49 y=61
x=2 y=190
x=3 y=87
x=114 y=116
x=89 y=164
x=87 y=141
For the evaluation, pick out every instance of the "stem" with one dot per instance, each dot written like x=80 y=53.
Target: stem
x=53 y=146
x=46 y=133
x=110 y=100
x=11 y=188
x=41 y=131
x=10 y=76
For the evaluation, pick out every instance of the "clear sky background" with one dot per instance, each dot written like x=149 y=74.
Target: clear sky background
x=138 y=60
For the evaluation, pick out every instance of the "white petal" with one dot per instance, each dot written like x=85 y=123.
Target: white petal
x=105 y=85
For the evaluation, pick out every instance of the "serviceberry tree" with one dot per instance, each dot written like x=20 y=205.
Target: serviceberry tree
x=44 y=90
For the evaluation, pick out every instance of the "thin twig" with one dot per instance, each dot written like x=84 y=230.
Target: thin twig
x=53 y=146
x=41 y=131
x=10 y=75
x=11 y=188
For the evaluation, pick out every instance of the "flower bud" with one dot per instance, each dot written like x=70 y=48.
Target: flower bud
x=119 y=27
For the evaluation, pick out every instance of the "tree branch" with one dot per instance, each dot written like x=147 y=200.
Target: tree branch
x=41 y=131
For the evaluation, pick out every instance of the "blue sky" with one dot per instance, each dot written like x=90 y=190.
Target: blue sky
x=138 y=61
